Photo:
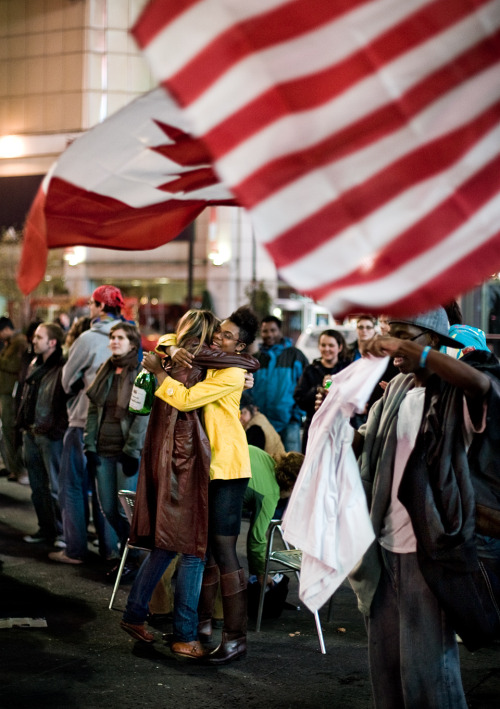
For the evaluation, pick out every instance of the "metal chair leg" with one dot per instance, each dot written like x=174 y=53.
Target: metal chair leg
x=263 y=586
x=118 y=577
x=319 y=630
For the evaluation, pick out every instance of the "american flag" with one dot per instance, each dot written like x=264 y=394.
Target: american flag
x=132 y=182
x=363 y=136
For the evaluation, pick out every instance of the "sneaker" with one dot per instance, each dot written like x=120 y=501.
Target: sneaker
x=23 y=479
x=36 y=538
x=63 y=558
x=60 y=543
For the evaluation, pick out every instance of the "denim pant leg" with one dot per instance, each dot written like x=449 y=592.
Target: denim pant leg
x=187 y=593
x=290 y=435
x=51 y=454
x=413 y=653
x=106 y=535
x=150 y=572
x=39 y=477
x=110 y=479
x=73 y=493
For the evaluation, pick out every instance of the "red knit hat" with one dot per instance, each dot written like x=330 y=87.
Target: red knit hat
x=108 y=295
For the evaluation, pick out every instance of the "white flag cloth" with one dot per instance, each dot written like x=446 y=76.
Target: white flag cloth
x=132 y=182
x=327 y=516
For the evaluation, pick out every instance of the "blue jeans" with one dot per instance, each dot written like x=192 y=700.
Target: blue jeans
x=187 y=591
x=74 y=486
x=42 y=456
x=412 y=648
x=290 y=435
x=110 y=479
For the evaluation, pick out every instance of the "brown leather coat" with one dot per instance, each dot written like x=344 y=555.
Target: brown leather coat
x=171 y=509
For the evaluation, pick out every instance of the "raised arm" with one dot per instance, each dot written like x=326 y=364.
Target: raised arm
x=221 y=384
x=473 y=383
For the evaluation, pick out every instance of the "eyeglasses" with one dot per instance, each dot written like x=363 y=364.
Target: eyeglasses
x=365 y=327
x=228 y=336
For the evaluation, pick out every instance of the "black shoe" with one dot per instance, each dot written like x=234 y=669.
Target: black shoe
x=160 y=618
x=128 y=574
x=38 y=538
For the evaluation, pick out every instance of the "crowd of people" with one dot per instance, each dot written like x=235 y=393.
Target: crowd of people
x=209 y=451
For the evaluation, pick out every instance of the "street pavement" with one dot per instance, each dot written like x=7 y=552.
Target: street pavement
x=81 y=659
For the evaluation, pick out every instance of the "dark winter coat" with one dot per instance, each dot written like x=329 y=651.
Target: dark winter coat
x=171 y=509
x=43 y=401
x=305 y=391
x=438 y=490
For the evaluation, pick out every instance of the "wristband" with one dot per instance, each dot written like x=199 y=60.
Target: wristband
x=423 y=356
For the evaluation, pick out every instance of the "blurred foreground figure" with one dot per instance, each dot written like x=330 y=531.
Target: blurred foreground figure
x=430 y=574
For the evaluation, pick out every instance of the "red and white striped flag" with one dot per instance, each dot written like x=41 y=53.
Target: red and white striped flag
x=362 y=135
x=132 y=182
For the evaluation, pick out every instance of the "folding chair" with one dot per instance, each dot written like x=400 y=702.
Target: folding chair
x=289 y=560
x=127 y=499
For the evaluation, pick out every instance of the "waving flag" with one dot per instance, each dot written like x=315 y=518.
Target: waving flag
x=362 y=135
x=132 y=182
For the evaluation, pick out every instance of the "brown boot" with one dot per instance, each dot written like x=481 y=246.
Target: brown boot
x=209 y=587
x=234 y=632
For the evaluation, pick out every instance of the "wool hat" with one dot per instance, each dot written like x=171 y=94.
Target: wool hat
x=109 y=295
x=435 y=321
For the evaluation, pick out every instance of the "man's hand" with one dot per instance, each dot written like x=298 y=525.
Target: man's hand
x=152 y=362
x=181 y=356
x=249 y=381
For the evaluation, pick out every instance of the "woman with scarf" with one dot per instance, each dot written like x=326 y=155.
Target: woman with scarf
x=114 y=437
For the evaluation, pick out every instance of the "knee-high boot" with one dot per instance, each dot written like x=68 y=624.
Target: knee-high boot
x=206 y=603
x=234 y=631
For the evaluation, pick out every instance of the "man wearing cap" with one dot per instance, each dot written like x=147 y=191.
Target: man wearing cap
x=85 y=357
x=417 y=584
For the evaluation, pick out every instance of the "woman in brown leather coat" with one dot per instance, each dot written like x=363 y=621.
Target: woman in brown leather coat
x=171 y=511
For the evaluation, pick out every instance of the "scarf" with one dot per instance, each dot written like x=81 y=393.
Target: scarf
x=99 y=389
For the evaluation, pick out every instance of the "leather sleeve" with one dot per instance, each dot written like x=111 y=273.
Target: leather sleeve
x=216 y=359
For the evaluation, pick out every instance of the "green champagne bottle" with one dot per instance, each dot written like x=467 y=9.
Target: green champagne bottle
x=143 y=393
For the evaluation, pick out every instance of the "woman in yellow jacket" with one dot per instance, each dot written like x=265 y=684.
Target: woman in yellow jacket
x=219 y=395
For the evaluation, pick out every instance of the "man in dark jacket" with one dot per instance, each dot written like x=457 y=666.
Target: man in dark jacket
x=281 y=366
x=418 y=583
x=42 y=417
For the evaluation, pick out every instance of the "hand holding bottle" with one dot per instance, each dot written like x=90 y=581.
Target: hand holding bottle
x=152 y=362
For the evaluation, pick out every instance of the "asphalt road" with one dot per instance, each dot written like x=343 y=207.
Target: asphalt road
x=83 y=660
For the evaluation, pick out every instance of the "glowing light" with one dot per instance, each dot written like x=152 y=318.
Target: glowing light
x=11 y=146
x=220 y=255
x=75 y=255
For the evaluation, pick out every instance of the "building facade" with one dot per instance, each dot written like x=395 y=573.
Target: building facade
x=66 y=65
